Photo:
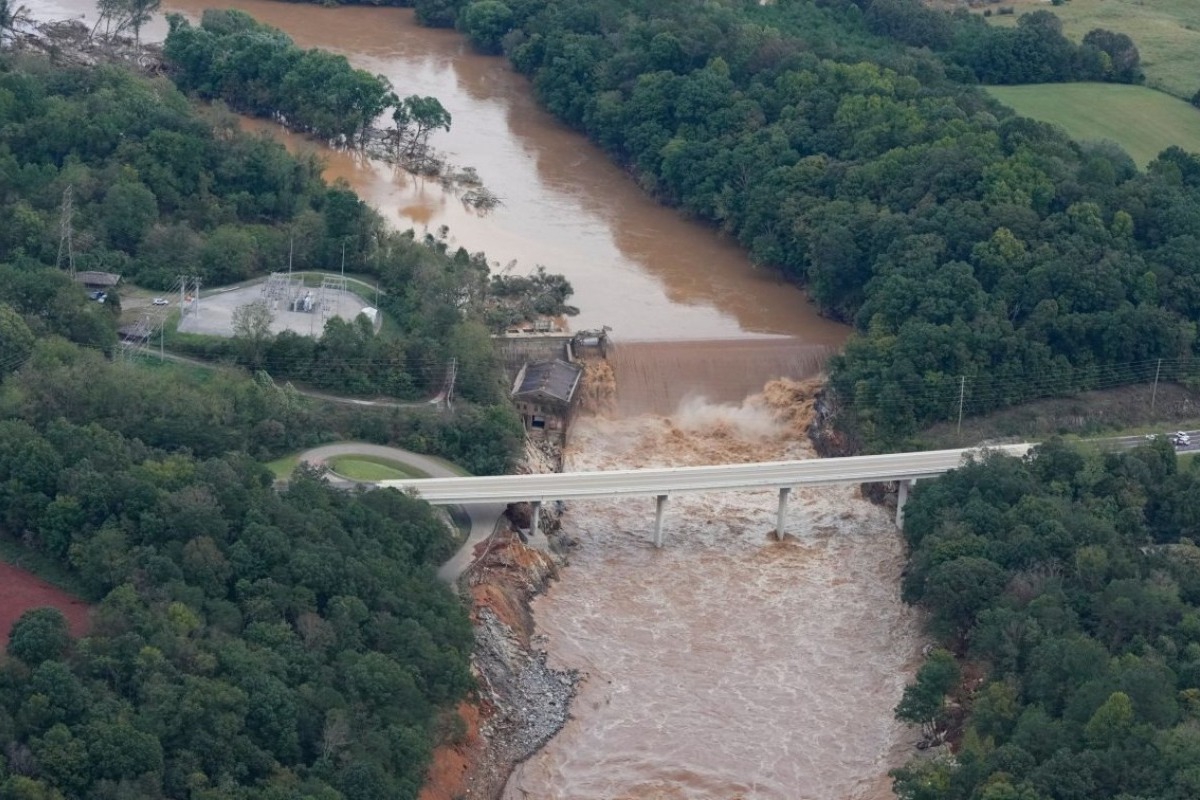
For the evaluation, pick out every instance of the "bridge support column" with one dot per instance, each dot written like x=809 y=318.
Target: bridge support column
x=901 y=499
x=534 y=518
x=781 y=514
x=660 y=506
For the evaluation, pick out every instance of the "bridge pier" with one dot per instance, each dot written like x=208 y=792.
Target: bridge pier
x=901 y=499
x=534 y=518
x=660 y=506
x=781 y=514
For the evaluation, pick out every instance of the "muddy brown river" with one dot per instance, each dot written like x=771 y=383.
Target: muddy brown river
x=725 y=665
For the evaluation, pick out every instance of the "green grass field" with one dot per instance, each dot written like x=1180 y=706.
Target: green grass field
x=1166 y=32
x=284 y=467
x=1141 y=120
x=372 y=468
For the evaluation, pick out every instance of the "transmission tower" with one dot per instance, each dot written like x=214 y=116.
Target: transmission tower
x=66 y=232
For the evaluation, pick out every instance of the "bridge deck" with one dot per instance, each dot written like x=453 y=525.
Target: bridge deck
x=675 y=480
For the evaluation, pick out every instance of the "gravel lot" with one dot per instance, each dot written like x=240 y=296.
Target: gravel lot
x=215 y=316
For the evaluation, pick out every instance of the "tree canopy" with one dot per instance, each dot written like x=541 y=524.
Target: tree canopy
x=247 y=641
x=1069 y=583
x=845 y=143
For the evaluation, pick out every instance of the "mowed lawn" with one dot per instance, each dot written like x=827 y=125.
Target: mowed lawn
x=1141 y=120
x=1166 y=32
x=372 y=468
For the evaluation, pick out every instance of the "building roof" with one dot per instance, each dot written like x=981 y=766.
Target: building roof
x=556 y=380
x=97 y=278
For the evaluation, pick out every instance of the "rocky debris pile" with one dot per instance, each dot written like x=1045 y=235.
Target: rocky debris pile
x=827 y=439
x=72 y=42
x=523 y=702
x=530 y=698
x=542 y=456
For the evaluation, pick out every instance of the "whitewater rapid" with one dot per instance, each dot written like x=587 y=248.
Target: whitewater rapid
x=727 y=664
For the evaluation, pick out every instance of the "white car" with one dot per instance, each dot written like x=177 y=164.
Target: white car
x=160 y=301
x=1181 y=439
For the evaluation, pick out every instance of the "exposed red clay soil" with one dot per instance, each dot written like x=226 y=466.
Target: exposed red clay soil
x=503 y=579
x=447 y=776
x=21 y=591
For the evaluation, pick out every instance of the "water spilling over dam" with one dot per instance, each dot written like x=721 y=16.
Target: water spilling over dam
x=661 y=377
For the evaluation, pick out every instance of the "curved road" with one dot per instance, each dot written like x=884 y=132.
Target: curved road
x=483 y=515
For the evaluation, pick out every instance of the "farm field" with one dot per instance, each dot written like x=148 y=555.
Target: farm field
x=1166 y=32
x=1144 y=122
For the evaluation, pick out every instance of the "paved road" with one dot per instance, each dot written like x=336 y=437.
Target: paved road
x=673 y=480
x=485 y=498
x=1137 y=441
x=483 y=515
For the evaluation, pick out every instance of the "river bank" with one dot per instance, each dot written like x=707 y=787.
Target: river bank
x=520 y=702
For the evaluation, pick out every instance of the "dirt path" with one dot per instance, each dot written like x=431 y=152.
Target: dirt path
x=483 y=515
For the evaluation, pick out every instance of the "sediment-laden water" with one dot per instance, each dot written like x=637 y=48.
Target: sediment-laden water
x=727 y=664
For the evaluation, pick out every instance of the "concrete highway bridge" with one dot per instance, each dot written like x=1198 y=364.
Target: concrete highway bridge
x=661 y=483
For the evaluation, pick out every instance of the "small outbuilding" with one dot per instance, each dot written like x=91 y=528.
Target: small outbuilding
x=545 y=392
x=97 y=280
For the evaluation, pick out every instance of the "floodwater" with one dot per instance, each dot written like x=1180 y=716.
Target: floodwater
x=727 y=664
x=635 y=265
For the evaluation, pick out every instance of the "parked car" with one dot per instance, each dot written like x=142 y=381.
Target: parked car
x=160 y=301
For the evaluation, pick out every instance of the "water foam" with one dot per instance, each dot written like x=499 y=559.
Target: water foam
x=725 y=665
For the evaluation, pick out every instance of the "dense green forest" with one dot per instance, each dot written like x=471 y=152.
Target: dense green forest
x=962 y=242
x=1068 y=584
x=1035 y=51
x=257 y=69
x=246 y=643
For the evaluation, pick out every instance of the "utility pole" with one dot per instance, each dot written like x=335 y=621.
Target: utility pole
x=342 y=286
x=962 y=392
x=1154 y=391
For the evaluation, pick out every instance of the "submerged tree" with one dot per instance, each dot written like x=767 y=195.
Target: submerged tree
x=119 y=16
x=10 y=15
x=416 y=119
